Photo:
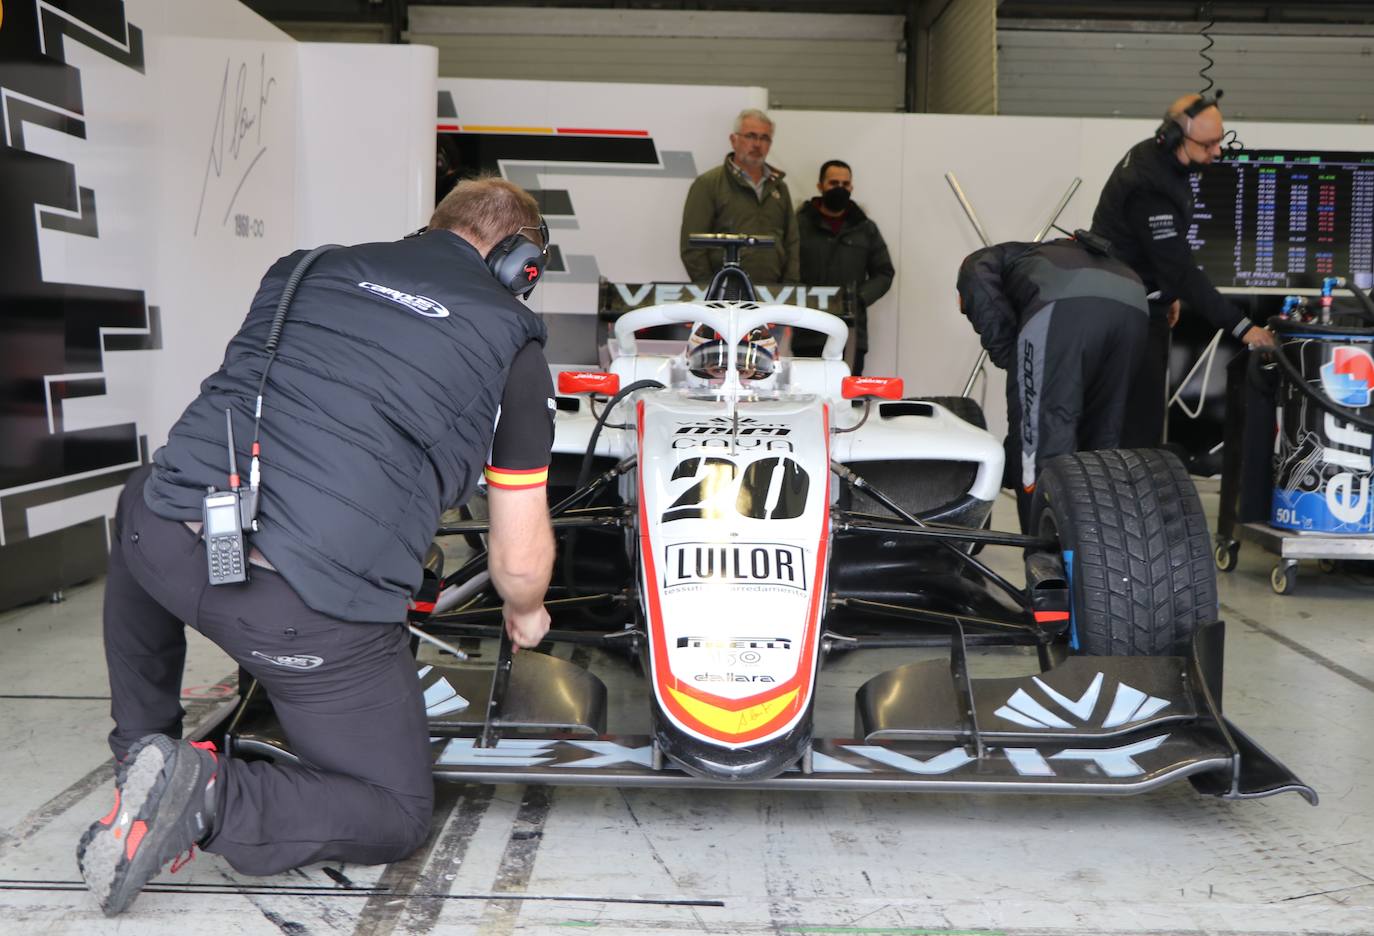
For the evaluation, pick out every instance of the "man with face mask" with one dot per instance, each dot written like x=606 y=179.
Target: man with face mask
x=1145 y=210
x=841 y=246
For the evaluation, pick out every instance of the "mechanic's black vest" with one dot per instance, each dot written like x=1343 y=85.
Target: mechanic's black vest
x=1145 y=168
x=378 y=415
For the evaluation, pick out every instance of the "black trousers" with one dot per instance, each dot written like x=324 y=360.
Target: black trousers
x=346 y=694
x=1067 y=387
x=1145 y=410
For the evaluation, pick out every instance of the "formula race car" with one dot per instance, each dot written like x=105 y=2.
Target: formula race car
x=732 y=520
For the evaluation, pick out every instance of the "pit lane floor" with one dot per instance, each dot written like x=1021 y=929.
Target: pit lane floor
x=513 y=859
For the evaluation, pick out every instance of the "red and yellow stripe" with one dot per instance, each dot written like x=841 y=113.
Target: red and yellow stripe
x=732 y=721
x=517 y=479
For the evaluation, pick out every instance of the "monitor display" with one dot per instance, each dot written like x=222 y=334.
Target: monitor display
x=1283 y=218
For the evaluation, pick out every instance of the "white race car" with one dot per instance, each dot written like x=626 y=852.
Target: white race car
x=732 y=518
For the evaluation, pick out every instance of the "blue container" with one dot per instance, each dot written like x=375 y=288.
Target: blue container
x=1322 y=464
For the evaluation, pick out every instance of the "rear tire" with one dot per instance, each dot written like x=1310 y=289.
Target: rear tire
x=1142 y=569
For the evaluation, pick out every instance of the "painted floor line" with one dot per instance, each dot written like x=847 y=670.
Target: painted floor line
x=210 y=890
x=1362 y=681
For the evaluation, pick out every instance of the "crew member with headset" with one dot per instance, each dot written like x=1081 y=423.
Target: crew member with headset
x=401 y=369
x=1067 y=323
x=1144 y=211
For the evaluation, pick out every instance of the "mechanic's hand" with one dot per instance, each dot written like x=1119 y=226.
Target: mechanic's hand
x=526 y=628
x=1172 y=316
x=1259 y=338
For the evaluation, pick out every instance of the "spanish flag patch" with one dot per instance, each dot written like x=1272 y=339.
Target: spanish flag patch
x=517 y=478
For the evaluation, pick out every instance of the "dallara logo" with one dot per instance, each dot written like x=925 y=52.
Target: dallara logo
x=421 y=304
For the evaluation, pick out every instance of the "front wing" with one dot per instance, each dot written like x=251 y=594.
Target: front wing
x=1091 y=725
x=1121 y=767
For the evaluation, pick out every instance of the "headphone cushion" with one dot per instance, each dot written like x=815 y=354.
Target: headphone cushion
x=517 y=263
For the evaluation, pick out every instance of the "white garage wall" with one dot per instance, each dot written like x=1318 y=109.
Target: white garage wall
x=626 y=218
x=1014 y=171
x=874 y=145
x=223 y=146
x=365 y=160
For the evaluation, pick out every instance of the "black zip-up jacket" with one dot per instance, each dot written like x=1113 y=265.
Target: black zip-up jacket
x=1003 y=286
x=378 y=414
x=1145 y=210
x=856 y=255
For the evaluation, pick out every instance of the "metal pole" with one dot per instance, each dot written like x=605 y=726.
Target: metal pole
x=1059 y=209
x=982 y=235
x=968 y=209
x=987 y=242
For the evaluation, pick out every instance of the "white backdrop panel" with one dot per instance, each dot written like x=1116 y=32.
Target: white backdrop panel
x=874 y=145
x=365 y=157
x=625 y=218
x=1014 y=171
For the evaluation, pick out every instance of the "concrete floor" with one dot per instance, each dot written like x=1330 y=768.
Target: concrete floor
x=1299 y=678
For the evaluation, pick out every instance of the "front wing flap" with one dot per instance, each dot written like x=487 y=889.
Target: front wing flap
x=1123 y=766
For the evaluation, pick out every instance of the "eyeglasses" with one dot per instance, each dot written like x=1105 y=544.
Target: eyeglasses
x=756 y=137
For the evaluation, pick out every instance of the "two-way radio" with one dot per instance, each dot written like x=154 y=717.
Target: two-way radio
x=229 y=516
x=225 y=521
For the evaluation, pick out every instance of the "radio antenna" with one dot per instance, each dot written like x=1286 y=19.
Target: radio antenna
x=233 y=459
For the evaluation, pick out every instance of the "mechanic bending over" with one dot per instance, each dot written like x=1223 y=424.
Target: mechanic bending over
x=394 y=365
x=1067 y=323
x=1144 y=211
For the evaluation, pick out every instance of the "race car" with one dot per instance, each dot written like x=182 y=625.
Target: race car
x=732 y=519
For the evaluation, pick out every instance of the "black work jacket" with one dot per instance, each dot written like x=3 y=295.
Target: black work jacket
x=1002 y=287
x=857 y=256
x=1145 y=210
x=378 y=415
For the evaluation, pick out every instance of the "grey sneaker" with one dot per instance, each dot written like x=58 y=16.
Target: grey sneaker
x=164 y=806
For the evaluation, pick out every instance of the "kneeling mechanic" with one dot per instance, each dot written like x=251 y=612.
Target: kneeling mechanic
x=401 y=370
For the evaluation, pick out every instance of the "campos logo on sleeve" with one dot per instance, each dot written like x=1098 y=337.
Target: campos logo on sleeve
x=421 y=304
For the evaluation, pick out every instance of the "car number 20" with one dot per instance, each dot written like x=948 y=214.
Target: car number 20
x=772 y=488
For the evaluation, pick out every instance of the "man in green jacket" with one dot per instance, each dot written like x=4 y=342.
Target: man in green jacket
x=743 y=195
x=841 y=246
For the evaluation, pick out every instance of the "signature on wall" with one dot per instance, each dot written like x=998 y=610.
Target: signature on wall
x=232 y=154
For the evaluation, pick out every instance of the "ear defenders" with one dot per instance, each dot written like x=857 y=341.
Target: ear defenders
x=1171 y=132
x=518 y=263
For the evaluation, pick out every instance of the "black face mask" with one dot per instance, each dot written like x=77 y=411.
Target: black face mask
x=835 y=199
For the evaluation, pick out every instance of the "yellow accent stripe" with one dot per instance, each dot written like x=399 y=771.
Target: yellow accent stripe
x=728 y=722
x=483 y=128
x=517 y=479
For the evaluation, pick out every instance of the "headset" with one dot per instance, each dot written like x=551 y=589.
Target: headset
x=516 y=261
x=1173 y=130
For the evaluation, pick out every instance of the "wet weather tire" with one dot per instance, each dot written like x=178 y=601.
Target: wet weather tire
x=1143 y=571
